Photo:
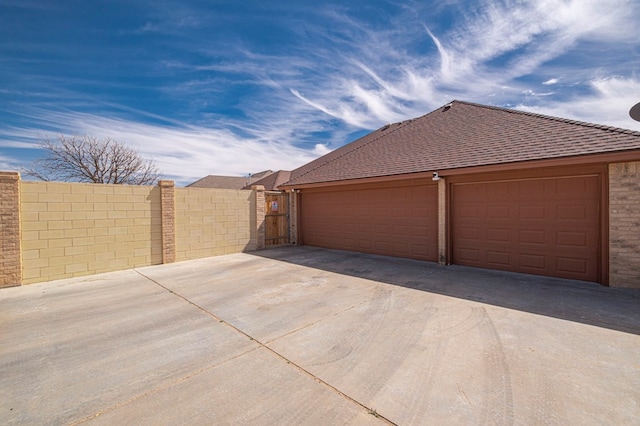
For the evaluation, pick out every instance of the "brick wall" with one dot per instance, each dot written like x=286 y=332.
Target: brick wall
x=10 y=261
x=168 y=220
x=73 y=229
x=258 y=217
x=293 y=217
x=624 y=225
x=211 y=222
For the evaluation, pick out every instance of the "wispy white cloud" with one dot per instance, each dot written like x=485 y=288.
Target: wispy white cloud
x=183 y=153
x=530 y=92
x=317 y=106
x=608 y=103
x=168 y=18
x=486 y=56
x=9 y=163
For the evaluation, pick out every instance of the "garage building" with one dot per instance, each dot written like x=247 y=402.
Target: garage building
x=482 y=186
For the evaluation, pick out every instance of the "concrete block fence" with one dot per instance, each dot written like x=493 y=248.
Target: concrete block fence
x=55 y=230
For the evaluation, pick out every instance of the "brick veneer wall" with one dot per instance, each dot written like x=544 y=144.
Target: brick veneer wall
x=624 y=225
x=10 y=260
x=211 y=222
x=168 y=219
x=293 y=217
x=259 y=216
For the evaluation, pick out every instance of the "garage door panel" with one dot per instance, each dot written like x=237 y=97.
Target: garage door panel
x=396 y=221
x=421 y=232
x=572 y=239
x=471 y=194
x=531 y=189
x=499 y=235
x=575 y=187
x=401 y=248
x=533 y=261
x=498 y=258
x=500 y=211
x=530 y=225
x=532 y=212
x=501 y=189
x=381 y=229
x=574 y=212
x=532 y=236
x=398 y=212
x=468 y=254
x=572 y=265
x=401 y=230
x=381 y=246
x=468 y=233
x=469 y=210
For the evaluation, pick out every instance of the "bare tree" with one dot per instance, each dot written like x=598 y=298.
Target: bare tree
x=88 y=159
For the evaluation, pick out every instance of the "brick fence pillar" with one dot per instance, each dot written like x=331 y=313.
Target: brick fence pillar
x=260 y=216
x=10 y=256
x=168 y=208
x=293 y=217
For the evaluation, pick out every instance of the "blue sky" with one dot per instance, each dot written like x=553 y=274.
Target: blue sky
x=233 y=87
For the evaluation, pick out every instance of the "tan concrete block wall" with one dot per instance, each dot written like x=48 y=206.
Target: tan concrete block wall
x=624 y=225
x=211 y=222
x=72 y=229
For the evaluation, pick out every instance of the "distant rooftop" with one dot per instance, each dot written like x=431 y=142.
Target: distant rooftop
x=272 y=181
x=229 y=182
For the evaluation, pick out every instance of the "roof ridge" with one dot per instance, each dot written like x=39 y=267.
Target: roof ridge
x=385 y=127
x=554 y=118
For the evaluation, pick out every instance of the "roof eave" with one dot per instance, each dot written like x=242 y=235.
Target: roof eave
x=598 y=158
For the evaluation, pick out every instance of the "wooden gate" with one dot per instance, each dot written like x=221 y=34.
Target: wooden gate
x=276 y=218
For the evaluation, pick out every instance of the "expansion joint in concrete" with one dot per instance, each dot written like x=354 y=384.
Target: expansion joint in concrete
x=272 y=351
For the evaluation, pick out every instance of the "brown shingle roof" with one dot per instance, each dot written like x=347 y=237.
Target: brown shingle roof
x=463 y=134
x=272 y=181
x=227 y=182
x=222 y=182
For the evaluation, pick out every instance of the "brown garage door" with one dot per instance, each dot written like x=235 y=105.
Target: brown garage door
x=547 y=226
x=394 y=220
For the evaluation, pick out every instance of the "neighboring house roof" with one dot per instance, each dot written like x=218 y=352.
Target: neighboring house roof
x=461 y=135
x=261 y=174
x=228 y=182
x=272 y=181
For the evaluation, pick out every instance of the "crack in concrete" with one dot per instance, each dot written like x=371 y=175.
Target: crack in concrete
x=260 y=344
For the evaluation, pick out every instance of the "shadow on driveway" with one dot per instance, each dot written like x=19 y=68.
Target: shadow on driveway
x=577 y=301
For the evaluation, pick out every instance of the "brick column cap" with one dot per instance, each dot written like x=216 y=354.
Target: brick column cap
x=6 y=176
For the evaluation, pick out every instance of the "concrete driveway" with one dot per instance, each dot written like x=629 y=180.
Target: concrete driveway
x=308 y=336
